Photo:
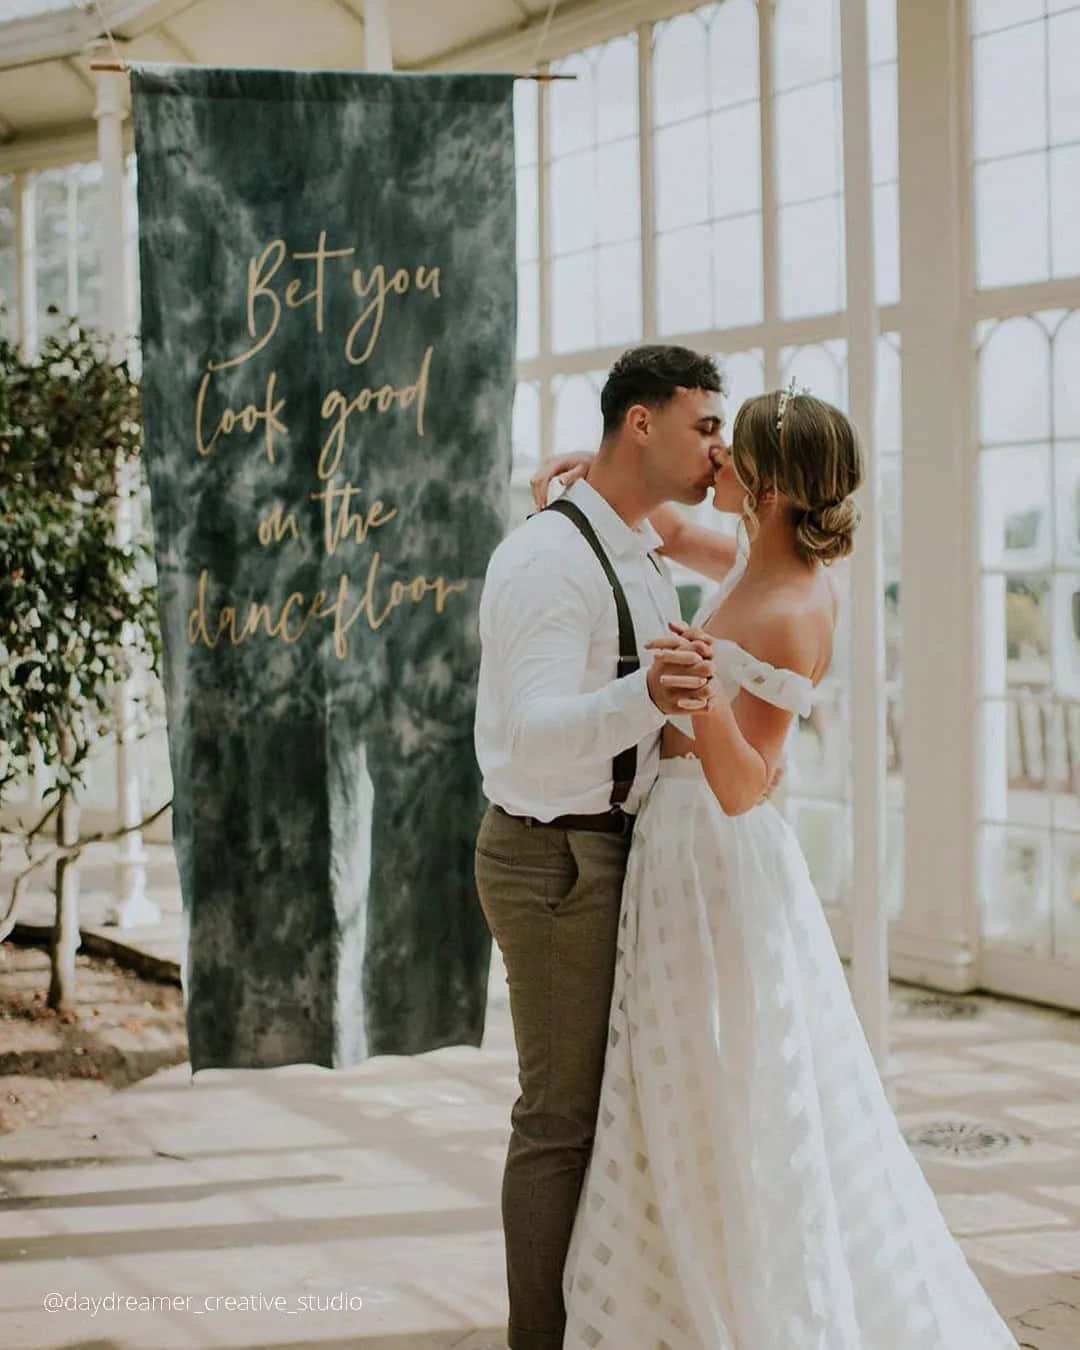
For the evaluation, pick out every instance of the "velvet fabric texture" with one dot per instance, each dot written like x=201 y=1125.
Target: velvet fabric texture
x=328 y=316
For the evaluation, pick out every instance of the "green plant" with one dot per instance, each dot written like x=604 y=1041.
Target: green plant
x=74 y=615
x=77 y=614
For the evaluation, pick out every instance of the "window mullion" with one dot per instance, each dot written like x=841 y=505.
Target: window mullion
x=770 y=219
x=543 y=198
x=647 y=185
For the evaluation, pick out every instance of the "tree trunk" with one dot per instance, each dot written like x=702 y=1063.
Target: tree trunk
x=65 y=940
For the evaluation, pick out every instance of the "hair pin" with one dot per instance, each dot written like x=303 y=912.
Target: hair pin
x=786 y=395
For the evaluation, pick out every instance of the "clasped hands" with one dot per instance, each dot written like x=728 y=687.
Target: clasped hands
x=680 y=677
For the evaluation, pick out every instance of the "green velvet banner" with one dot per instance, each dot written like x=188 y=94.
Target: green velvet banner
x=328 y=316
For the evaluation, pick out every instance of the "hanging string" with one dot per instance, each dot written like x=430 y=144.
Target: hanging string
x=109 y=34
x=543 y=33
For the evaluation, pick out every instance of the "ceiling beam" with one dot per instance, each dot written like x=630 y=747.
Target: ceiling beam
x=56 y=36
x=54 y=147
x=180 y=48
x=85 y=79
x=357 y=15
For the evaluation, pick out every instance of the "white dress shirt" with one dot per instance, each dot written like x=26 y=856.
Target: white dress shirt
x=550 y=714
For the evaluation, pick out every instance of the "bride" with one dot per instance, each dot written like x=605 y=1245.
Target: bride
x=749 y=1187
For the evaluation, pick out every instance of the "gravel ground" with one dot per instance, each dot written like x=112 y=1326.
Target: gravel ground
x=122 y=1028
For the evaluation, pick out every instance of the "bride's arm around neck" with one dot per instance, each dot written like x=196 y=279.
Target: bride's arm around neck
x=707 y=552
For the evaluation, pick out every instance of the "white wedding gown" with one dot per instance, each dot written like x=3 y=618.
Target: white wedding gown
x=749 y=1188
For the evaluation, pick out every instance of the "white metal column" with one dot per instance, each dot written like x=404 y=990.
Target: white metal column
x=26 y=336
x=378 y=52
x=133 y=907
x=25 y=282
x=936 y=939
x=870 y=961
x=770 y=209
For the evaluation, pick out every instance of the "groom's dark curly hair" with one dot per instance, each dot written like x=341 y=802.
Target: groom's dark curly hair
x=652 y=375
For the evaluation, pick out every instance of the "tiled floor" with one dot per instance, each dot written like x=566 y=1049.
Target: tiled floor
x=379 y=1185
x=989 y=1094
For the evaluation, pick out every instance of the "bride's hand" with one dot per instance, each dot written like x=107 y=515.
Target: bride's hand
x=566 y=468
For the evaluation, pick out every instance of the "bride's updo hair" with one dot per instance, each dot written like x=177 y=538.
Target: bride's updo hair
x=809 y=452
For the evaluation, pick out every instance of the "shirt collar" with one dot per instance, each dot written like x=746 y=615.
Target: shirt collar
x=621 y=539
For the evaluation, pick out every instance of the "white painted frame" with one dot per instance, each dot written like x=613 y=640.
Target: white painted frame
x=936 y=939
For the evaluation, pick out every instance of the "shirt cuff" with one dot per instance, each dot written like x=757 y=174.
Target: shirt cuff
x=632 y=700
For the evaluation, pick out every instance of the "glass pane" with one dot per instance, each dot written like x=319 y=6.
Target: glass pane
x=807 y=42
x=809 y=148
x=891 y=523
x=7 y=214
x=887 y=243
x=989 y=14
x=52 y=290
x=1063 y=762
x=737 y=271
x=1065 y=214
x=820 y=763
x=683 y=297
x=1024 y=627
x=733 y=53
x=1015 y=889
x=1012 y=213
x=682 y=175
x=1010 y=92
x=821 y=367
x=745 y=375
x=578 y=423
x=1013 y=778
x=1066 y=384
x=89 y=310
x=617 y=89
x=8 y=266
x=528 y=316
x=680 y=82
x=525 y=427
x=526 y=113
x=894 y=864
x=1067 y=897
x=1014 y=508
x=893 y=676
x=811 y=258
x=735 y=153
x=885 y=149
x=1067 y=504
x=1066 y=638
x=825 y=834
x=573 y=203
x=528 y=214
x=882 y=23
x=618 y=214
x=570 y=106
x=1064 y=86
x=618 y=274
x=8 y=297
x=1014 y=384
x=573 y=302
x=51 y=232
x=155 y=777
x=888 y=420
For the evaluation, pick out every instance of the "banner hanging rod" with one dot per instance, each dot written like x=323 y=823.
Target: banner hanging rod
x=123 y=67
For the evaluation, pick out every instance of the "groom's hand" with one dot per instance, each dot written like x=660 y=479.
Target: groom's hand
x=680 y=673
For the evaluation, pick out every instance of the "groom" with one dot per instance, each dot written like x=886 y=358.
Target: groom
x=568 y=721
